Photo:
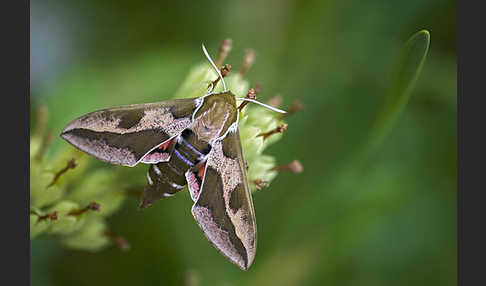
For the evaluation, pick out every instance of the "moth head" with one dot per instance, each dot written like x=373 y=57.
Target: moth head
x=226 y=96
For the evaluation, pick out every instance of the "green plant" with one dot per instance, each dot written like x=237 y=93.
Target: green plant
x=70 y=198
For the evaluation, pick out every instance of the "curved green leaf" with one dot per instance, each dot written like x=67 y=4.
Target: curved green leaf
x=403 y=79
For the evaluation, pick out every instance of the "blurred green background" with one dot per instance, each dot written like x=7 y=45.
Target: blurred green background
x=387 y=220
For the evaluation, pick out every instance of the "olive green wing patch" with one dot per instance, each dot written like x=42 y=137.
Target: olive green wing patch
x=224 y=206
x=124 y=135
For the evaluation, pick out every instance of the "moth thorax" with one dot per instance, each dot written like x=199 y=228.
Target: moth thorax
x=213 y=122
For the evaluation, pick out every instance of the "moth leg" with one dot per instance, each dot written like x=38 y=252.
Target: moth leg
x=194 y=178
x=162 y=181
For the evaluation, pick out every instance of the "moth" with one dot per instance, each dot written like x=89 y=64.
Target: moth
x=193 y=142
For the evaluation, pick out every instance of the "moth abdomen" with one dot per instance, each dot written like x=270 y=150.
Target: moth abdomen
x=186 y=151
x=162 y=181
x=182 y=157
x=167 y=178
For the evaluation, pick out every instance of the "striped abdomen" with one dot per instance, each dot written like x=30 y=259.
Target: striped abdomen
x=167 y=178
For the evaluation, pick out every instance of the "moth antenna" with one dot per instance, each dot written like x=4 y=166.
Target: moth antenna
x=210 y=88
x=214 y=66
x=262 y=104
x=224 y=71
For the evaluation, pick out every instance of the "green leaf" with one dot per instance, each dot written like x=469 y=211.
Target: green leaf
x=403 y=80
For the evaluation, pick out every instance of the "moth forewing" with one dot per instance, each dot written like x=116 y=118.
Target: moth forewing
x=224 y=207
x=124 y=135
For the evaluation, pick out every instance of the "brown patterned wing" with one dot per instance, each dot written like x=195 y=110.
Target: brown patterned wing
x=224 y=206
x=124 y=135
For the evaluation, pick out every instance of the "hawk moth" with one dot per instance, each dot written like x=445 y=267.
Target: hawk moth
x=193 y=142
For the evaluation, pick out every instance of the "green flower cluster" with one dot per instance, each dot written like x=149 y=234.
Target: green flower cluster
x=68 y=198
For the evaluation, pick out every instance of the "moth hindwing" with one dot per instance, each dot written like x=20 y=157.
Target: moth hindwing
x=192 y=142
